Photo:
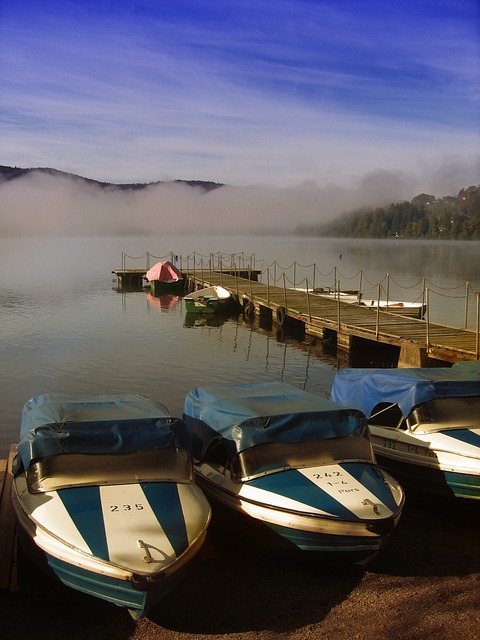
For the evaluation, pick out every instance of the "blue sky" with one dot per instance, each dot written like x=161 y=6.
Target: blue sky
x=246 y=92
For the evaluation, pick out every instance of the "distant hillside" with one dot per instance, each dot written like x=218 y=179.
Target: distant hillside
x=13 y=173
x=447 y=218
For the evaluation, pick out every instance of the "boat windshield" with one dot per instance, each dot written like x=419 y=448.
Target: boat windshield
x=271 y=457
x=446 y=413
x=81 y=469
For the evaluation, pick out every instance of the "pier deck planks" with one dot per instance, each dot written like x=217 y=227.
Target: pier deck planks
x=319 y=313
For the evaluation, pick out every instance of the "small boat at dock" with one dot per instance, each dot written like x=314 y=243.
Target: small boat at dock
x=209 y=300
x=424 y=423
x=164 y=277
x=353 y=296
x=299 y=466
x=104 y=495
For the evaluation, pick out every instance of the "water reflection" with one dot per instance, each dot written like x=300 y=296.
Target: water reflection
x=163 y=302
x=199 y=320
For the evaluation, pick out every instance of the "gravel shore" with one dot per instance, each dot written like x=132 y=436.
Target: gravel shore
x=424 y=584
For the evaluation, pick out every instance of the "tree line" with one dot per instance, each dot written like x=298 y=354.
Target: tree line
x=425 y=216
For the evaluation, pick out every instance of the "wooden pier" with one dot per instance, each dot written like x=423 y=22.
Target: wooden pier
x=134 y=278
x=8 y=538
x=419 y=343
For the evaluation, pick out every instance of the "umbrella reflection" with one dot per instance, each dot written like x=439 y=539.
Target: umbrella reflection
x=164 y=302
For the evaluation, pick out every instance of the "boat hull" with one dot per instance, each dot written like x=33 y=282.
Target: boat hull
x=208 y=301
x=301 y=524
x=120 y=561
x=416 y=464
x=209 y=306
x=157 y=287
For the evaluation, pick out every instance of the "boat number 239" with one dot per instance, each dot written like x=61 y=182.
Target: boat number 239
x=126 y=507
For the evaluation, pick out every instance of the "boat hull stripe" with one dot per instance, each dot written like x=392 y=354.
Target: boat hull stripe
x=85 y=509
x=167 y=507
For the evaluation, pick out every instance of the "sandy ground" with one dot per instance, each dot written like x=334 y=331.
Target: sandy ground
x=425 y=584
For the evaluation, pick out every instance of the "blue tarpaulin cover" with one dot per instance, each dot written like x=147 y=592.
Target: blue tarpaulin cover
x=93 y=423
x=251 y=414
x=365 y=388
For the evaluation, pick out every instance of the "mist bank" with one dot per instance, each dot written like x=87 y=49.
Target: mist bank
x=56 y=203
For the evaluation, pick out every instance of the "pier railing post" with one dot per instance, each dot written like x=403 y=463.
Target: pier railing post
x=337 y=292
x=268 y=287
x=377 y=328
x=285 y=292
x=477 y=295
x=308 y=303
x=467 y=286
x=427 y=298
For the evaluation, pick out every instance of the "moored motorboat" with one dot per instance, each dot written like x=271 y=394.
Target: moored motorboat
x=424 y=423
x=352 y=296
x=164 y=277
x=105 y=498
x=298 y=464
x=410 y=309
x=208 y=300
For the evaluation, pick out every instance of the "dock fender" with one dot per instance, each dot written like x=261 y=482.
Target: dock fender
x=249 y=311
x=280 y=315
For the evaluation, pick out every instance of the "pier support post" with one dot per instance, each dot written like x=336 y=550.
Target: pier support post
x=412 y=355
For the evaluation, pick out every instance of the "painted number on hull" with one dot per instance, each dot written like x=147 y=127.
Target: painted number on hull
x=334 y=479
x=390 y=444
x=126 y=507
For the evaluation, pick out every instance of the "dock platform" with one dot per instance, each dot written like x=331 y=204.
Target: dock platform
x=8 y=537
x=419 y=342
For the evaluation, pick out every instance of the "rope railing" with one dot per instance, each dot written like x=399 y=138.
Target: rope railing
x=310 y=278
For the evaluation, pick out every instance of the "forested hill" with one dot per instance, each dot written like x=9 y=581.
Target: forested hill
x=14 y=173
x=448 y=218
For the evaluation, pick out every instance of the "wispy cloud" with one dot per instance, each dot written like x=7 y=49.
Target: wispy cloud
x=240 y=92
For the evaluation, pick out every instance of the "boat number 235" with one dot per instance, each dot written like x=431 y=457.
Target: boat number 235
x=126 y=507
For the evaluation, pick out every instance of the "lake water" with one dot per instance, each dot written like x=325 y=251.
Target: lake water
x=64 y=327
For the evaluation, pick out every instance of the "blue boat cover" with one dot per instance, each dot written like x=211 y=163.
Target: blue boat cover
x=251 y=414
x=87 y=423
x=365 y=388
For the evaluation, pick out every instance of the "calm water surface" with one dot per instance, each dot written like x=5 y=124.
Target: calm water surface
x=65 y=328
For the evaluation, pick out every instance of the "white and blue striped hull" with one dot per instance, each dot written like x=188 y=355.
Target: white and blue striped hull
x=348 y=509
x=126 y=544
x=443 y=462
